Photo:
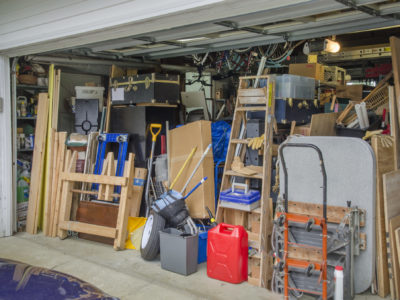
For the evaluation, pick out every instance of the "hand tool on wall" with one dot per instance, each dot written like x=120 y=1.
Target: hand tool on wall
x=154 y=135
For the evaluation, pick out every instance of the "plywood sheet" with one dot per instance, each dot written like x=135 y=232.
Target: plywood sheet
x=391 y=192
x=384 y=163
x=394 y=224
x=323 y=124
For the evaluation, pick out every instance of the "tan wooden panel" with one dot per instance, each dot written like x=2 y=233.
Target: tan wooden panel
x=323 y=124
x=384 y=164
x=395 y=48
x=394 y=224
x=88 y=228
x=391 y=193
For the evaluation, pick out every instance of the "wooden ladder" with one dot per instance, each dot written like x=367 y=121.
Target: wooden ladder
x=258 y=222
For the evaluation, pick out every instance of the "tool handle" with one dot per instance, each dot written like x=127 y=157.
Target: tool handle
x=183 y=167
x=195 y=187
x=196 y=167
x=155 y=134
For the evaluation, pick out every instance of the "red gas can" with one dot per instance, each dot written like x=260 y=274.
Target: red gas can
x=227 y=253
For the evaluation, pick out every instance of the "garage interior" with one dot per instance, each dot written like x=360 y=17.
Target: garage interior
x=251 y=148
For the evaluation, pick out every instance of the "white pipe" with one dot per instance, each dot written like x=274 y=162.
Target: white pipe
x=360 y=116
x=364 y=112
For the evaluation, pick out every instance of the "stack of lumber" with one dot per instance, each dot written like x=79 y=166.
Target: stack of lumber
x=48 y=157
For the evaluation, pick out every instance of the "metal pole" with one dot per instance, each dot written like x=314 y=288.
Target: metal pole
x=197 y=166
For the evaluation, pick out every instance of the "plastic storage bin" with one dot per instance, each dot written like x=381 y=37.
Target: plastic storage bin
x=178 y=252
x=227 y=253
x=90 y=92
x=202 y=253
x=294 y=86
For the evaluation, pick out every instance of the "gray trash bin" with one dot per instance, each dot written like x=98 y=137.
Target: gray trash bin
x=178 y=252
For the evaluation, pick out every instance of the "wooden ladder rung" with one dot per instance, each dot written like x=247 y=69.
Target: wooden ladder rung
x=252 y=108
x=255 y=176
x=252 y=92
x=88 y=228
x=239 y=141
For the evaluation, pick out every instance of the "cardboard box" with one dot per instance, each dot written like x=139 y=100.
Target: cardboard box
x=352 y=92
x=315 y=71
x=182 y=140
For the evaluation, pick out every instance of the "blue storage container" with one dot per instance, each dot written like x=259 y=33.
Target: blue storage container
x=202 y=255
x=240 y=196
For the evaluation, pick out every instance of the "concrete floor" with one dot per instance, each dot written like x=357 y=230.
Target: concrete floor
x=124 y=274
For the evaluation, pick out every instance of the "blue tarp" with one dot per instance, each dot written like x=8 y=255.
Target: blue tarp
x=220 y=132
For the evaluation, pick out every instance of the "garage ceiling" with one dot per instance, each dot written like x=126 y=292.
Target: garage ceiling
x=180 y=27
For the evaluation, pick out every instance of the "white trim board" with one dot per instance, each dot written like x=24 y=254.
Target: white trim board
x=6 y=186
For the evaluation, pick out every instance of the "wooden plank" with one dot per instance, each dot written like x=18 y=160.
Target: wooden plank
x=323 y=124
x=253 y=108
x=266 y=213
x=394 y=224
x=395 y=49
x=384 y=164
x=37 y=164
x=156 y=104
x=48 y=184
x=335 y=214
x=56 y=99
x=309 y=254
x=259 y=92
x=233 y=173
x=61 y=158
x=251 y=100
x=124 y=204
x=108 y=167
x=88 y=228
x=110 y=171
x=56 y=173
x=391 y=192
x=397 y=237
x=66 y=194
x=394 y=126
x=137 y=192
x=91 y=178
x=94 y=193
x=48 y=157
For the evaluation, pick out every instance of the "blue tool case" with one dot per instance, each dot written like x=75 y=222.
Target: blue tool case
x=240 y=196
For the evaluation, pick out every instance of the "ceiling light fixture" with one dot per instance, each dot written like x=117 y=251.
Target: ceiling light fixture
x=321 y=46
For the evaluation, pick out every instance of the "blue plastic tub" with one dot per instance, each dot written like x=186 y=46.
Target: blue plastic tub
x=239 y=196
x=203 y=234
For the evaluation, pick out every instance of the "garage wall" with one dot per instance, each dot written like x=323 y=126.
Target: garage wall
x=6 y=206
